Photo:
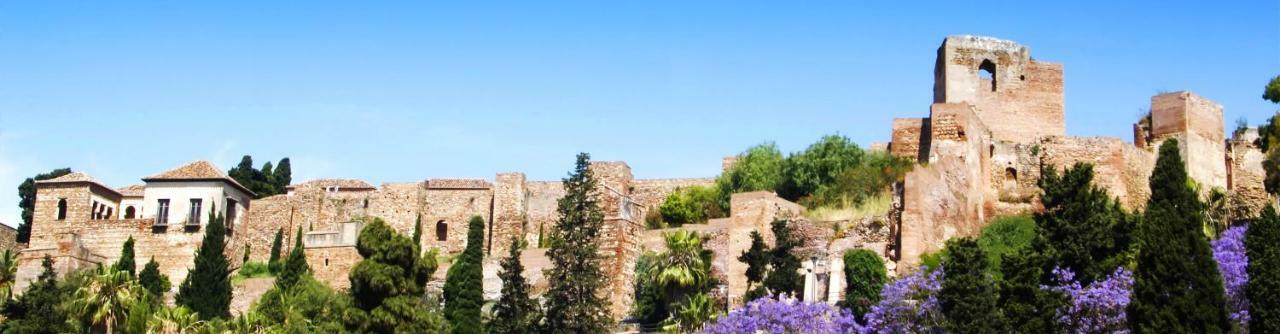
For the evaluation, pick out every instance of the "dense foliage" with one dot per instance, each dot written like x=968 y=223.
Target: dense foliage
x=1233 y=262
x=784 y=315
x=1005 y=236
x=757 y=260
x=295 y=266
x=691 y=205
x=27 y=200
x=39 y=309
x=968 y=296
x=833 y=171
x=152 y=280
x=666 y=281
x=783 y=276
x=574 y=304
x=263 y=182
x=207 y=288
x=126 y=262
x=813 y=172
x=463 y=286
x=759 y=168
x=1081 y=227
x=1176 y=284
x=1262 y=246
x=864 y=276
x=387 y=286
x=515 y=312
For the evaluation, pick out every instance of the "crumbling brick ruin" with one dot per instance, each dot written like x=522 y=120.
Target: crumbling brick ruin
x=997 y=116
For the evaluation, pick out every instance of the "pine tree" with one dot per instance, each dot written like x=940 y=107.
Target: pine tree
x=207 y=288
x=463 y=287
x=1262 y=245
x=1177 y=287
x=273 y=263
x=295 y=266
x=515 y=312
x=969 y=296
x=283 y=175
x=1081 y=228
x=152 y=280
x=784 y=267
x=39 y=310
x=757 y=260
x=574 y=303
x=126 y=258
x=387 y=286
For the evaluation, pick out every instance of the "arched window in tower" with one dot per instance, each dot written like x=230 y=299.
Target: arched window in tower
x=129 y=212
x=442 y=231
x=62 y=209
x=1010 y=177
x=987 y=72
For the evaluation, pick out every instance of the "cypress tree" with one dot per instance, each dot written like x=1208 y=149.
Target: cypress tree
x=1177 y=287
x=969 y=296
x=417 y=231
x=1262 y=244
x=283 y=175
x=757 y=260
x=1081 y=228
x=784 y=267
x=574 y=303
x=152 y=280
x=295 y=266
x=463 y=286
x=126 y=258
x=207 y=288
x=273 y=262
x=515 y=312
x=864 y=276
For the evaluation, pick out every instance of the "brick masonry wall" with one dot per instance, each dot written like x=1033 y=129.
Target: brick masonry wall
x=910 y=138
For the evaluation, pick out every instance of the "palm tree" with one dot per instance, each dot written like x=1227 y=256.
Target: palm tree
x=177 y=320
x=689 y=316
x=685 y=267
x=104 y=301
x=8 y=274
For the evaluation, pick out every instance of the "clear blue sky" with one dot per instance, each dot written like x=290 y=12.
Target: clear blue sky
x=409 y=91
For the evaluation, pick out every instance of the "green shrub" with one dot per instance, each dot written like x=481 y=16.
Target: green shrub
x=692 y=205
x=1005 y=236
x=864 y=275
x=253 y=269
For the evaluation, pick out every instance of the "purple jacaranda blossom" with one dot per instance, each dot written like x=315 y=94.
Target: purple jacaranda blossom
x=908 y=305
x=1097 y=308
x=1232 y=260
x=784 y=315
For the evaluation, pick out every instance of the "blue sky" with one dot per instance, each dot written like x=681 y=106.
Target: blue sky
x=408 y=91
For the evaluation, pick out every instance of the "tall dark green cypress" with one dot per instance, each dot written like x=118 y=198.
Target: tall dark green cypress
x=464 y=284
x=295 y=266
x=969 y=296
x=283 y=175
x=515 y=312
x=574 y=303
x=757 y=260
x=273 y=262
x=126 y=262
x=417 y=231
x=1262 y=244
x=1177 y=287
x=784 y=266
x=207 y=288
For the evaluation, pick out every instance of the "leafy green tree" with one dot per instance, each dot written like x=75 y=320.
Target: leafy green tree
x=1177 y=287
x=295 y=267
x=104 y=303
x=759 y=168
x=1272 y=92
x=873 y=176
x=515 y=312
x=39 y=309
x=273 y=262
x=969 y=296
x=574 y=303
x=864 y=276
x=152 y=280
x=692 y=205
x=126 y=262
x=27 y=200
x=464 y=286
x=757 y=260
x=387 y=286
x=207 y=288
x=1081 y=227
x=1262 y=245
x=815 y=170
x=784 y=266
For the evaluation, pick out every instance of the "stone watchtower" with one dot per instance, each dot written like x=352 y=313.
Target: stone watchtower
x=1018 y=98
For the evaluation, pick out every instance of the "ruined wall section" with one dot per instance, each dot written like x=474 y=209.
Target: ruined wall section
x=947 y=197
x=1014 y=174
x=453 y=202
x=1117 y=166
x=910 y=138
x=1245 y=185
x=1196 y=122
x=1021 y=101
x=542 y=200
x=510 y=203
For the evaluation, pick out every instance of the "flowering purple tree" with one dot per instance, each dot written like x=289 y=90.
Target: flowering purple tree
x=1229 y=252
x=784 y=315
x=908 y=305
x=1097 y=308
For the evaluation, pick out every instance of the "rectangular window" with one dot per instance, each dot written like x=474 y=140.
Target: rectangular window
x=194 y=217
x=162 y=212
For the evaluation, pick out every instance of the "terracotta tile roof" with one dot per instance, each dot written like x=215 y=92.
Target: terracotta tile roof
x=198 y=170
x=341 y=184
x=75 y=177
x=458 y=184
x=135 y=190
